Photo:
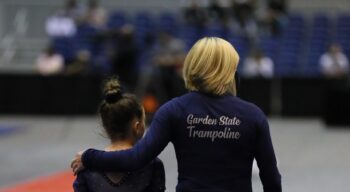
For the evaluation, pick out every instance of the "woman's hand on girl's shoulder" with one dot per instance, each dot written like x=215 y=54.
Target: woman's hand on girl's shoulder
x=77 y=164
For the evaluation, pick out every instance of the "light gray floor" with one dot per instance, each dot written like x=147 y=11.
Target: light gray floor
x=311 y=157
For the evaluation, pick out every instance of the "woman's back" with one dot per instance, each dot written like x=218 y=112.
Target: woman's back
x=216 y=139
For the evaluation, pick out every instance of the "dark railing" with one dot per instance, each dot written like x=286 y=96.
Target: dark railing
x=80 y=95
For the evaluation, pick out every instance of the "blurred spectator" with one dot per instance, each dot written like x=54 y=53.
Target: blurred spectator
x=169 y=54
x=276 y=17
x=50 y=62
x=195 y=14
x=60 y=26
x=81 y=64
x=334 y=63
x=258 y=65
x=245 y=21
x=71 y=10
x=217 y=12
x=63 y=23
x=123 y=53
x=95 y=15
x=169 y=51
x=278 y=6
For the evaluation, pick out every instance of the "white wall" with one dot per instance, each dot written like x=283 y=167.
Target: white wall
x=1 y=19
x=328 y=6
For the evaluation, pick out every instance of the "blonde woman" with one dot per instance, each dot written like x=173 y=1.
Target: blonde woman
x=216 y=135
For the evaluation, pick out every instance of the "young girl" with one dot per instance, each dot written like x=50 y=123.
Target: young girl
x=123 y=119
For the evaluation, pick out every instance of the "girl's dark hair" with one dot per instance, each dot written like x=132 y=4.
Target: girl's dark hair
x=118 y=109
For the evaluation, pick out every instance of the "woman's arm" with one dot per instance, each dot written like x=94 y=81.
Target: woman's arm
x=148 y=148
x=266 y=160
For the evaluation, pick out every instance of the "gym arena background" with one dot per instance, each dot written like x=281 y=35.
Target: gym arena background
x=54 y=56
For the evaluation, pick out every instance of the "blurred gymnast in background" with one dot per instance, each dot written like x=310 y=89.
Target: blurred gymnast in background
x=216 y=135
x=123 y=119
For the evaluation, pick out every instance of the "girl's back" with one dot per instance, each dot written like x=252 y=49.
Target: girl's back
x=149 y=179
x=123 y=120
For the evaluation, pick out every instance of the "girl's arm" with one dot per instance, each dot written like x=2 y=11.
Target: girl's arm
x=148 y=148
x=158 y=178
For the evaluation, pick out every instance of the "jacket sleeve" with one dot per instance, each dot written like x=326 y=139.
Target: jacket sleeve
x=266 y=160
x=79 y=184
x=148 y=148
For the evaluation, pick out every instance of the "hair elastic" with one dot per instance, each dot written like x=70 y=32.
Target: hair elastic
x=113 y=96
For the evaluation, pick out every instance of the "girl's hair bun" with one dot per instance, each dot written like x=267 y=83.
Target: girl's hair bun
x=112 y=90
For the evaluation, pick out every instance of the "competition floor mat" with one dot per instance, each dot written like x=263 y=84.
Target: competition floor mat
x=59 y=182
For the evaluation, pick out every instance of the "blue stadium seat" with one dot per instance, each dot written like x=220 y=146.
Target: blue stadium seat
x=190 y=34
x=343 y=19
x=145 y=28
x=168 y=22
x=240 y=43
x=270 y=46
x=217 y=30
x=85 y=35
x=342 y=35
x=143 y=19
x=66 y=46
x=293 y=52
x=287 y=65
x=321 y=19
x=319 y=40
x=116 y=20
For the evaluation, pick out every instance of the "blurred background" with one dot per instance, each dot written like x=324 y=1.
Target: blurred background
x=54 y=56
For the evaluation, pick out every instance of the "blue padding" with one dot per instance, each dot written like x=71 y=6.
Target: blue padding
x=4 y=129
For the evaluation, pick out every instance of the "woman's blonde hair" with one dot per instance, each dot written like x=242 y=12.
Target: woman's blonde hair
x=210 y=66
